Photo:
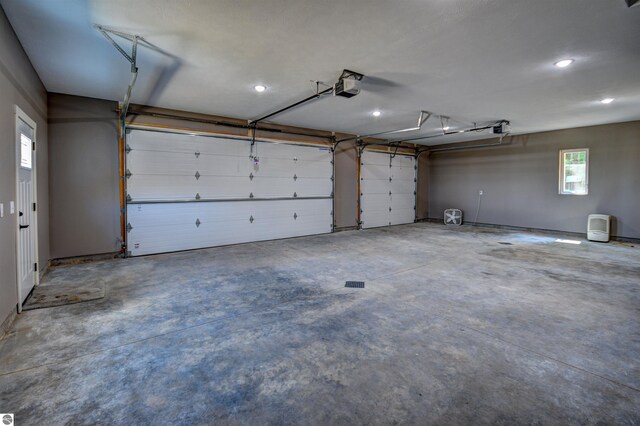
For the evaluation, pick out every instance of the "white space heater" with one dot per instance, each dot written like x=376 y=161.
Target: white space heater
x=598 y=227
x=453 y=217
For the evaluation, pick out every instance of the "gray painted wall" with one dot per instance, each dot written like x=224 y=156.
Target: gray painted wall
x=19 y=85
x=520 y=180
x=346 y=178
x=83 y=177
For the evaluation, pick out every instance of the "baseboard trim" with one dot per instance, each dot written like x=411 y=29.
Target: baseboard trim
x=528 y=229
x=82 y=259
x=346 y=228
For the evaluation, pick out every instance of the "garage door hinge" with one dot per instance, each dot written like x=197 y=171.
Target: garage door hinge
x=129 y=227
x=129 y=199
x=251 y=176
x=198 y=223
x=295 y=195
x=295 y=216
x=35 y=267
x=251 y=219
x=127 y=149
x=415 y=180
x=197 y=154
x=414 y=192
x=128 y=174
x=331 y=178
x=390 y=179
x=389 y=193
x=34 y=207
x=251 y=195
x=389 y=208
x=415 y=167
x=197 y=196
x=33 y=146
x=295 y=178
x=197 y=175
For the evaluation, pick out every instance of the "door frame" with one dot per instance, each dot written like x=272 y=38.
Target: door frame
x=21 y=115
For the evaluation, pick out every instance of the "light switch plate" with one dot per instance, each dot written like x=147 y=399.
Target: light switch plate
x=12 y=207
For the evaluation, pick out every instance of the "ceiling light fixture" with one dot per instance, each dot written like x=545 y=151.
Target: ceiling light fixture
x=376 y=113
x=563 y=63
x=260 y=88
x=445 y=128
x=607 y=100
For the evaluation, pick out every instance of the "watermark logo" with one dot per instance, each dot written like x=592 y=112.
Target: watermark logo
x=7 y=419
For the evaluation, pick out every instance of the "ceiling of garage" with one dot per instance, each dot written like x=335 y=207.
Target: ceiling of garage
x=472 y=60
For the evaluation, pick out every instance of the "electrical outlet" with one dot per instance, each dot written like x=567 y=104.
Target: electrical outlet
x=480 y=192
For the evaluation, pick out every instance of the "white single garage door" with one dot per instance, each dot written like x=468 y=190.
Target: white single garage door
x=186 y=192
x=387 y=189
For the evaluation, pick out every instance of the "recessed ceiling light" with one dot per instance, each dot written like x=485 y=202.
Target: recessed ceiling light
x=563 y=63
x=460 y=131
x=445 y=128
x=260 y=88
x=607 y=100
x=376 y=113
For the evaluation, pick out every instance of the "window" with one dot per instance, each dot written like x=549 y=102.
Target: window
x=25 y=152
x=574 y=171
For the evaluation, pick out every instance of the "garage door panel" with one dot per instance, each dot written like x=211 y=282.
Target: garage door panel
x=370 y=158
x=374 y=171
x=379 y=207
x=405 y=173
x=402 y=186
x=180 y=188
x=289 y=168
x=375 y=202
x=375 y=219
x=398 y=201
x=400 y=216
x=162 y=227
x=152 y=141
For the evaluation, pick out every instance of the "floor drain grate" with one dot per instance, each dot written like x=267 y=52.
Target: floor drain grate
x=354 y=284
x=505 y=244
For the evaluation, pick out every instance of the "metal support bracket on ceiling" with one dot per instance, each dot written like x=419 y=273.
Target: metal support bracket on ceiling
x=422 y=118
x=132 y=58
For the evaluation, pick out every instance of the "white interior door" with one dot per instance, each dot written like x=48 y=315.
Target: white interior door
x=387 y=189
x=26 y=223
x=187 y=192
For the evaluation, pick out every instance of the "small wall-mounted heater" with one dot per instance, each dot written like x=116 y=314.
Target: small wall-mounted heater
x=453 y=217
x=598 y=227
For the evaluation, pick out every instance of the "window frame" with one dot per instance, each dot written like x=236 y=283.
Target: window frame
x=562 y=169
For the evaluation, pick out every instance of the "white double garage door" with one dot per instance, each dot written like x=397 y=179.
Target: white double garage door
x=187 y=192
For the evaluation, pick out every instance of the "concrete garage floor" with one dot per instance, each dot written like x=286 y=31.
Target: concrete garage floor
x=453 y=327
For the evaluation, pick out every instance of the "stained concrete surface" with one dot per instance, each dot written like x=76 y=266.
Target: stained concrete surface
x=49 y=295
x=452 y=328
